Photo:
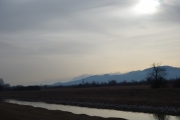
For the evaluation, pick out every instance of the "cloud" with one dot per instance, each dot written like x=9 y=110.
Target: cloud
x=72 y=37
x=19 y=16
x=59 y=27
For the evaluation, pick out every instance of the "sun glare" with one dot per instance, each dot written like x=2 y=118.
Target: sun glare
x=147 y=6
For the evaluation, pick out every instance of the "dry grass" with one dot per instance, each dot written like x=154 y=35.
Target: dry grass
x=141 y=95
x=20 y=112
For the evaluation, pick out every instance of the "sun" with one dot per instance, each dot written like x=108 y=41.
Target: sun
x=147 y=6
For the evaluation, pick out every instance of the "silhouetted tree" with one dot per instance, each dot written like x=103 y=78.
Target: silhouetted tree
x=156 y=76
x=1 y=84
x=7 y=87
x=94 y=83
x=112 y=82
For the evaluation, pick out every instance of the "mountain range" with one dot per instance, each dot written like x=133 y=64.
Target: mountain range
x=172 y=72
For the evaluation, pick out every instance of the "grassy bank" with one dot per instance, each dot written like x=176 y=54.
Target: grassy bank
x=20 y=112
x=130 y=95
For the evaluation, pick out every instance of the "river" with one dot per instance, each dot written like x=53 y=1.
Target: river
x=97 y=112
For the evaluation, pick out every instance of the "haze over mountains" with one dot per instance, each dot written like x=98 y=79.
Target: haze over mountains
x=138 y=75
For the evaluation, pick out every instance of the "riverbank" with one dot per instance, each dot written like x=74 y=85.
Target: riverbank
x=129 y=98
x=23 y=112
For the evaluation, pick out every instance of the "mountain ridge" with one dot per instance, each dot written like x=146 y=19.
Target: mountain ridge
x=137 y=75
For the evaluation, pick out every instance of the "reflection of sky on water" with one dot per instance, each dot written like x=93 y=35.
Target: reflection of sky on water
x=98 y=112
x=178 y=117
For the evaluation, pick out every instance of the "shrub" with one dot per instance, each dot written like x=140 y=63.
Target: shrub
x=176 y=83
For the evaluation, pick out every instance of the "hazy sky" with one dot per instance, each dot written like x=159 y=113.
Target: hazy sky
x=42 y=41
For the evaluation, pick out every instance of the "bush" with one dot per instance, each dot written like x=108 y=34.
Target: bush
x=176 y=83
x=160 y=83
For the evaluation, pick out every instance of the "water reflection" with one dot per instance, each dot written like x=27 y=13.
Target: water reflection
x=161 y=117
x=178 y=117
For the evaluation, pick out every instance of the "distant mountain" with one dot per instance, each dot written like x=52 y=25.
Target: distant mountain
x=138 y=75
x=81 y=77
x=74 y=79
x=57 y=84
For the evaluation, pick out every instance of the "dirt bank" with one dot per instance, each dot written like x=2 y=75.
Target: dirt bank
x=22 y=112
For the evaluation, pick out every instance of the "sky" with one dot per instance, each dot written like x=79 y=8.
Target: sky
x=45 y=41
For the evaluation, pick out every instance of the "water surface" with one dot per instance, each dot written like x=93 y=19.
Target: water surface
x=97 y=112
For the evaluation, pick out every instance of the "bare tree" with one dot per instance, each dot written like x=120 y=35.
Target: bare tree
x=156 y=76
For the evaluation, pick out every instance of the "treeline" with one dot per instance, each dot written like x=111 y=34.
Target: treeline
x=97 y=84
x=20 y=88
x=6 y=87
x=174 y=82
x=25 y=88
x=109 y=83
